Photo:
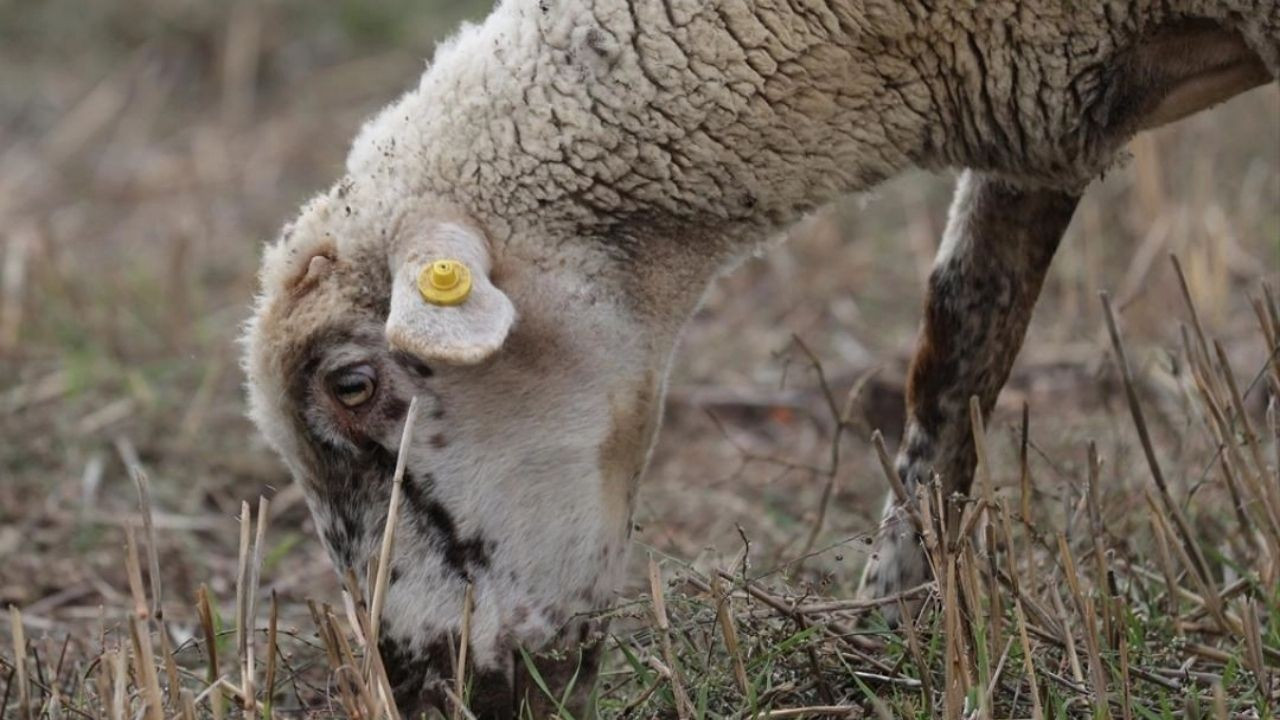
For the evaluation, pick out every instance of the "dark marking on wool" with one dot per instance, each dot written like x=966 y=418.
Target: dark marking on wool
x=338 y=544
x=344 y=534
x=394 y=409
x=596 y=41
x=438 y=441
x=349 y=479
x=412 y=363
x=519 y=615
x=555 y=615
x=416 y=675
x=300 y=367
x=461 y=555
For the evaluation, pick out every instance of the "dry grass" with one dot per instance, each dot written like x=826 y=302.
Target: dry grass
x=1128 y=509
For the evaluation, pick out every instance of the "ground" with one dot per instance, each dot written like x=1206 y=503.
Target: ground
x=149 y=147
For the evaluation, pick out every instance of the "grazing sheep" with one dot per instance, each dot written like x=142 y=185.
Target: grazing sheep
x=594 y=165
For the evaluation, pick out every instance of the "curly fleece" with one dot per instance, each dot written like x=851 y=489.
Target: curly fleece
x=583 y=114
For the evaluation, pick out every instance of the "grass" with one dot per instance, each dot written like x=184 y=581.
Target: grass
x=139 y=173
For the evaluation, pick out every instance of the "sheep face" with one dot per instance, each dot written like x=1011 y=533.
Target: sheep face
x=538 y=400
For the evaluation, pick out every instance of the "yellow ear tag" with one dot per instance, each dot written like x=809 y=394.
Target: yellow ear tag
x=445 y=282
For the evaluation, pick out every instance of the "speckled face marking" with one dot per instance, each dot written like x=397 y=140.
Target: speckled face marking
x=348 y=463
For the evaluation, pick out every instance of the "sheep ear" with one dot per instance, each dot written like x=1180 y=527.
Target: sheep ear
x=454 y=325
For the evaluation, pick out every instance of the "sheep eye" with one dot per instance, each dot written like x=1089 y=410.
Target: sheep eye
x=353 y=386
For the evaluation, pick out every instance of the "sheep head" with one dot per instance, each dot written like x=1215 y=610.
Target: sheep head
x=538 y=400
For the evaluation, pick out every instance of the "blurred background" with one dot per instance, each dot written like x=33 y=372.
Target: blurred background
x=148 y=148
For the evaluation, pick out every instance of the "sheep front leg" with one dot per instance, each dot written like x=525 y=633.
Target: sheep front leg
x=995 y=252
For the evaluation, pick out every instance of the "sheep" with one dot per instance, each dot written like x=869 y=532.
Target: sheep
x=590 y=166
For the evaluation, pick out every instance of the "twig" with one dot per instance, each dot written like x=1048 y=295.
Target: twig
x=724 y=614
x=389 y=532
x=684 y=707
x=464 y=640
x=20 y=663
x=143 y=485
